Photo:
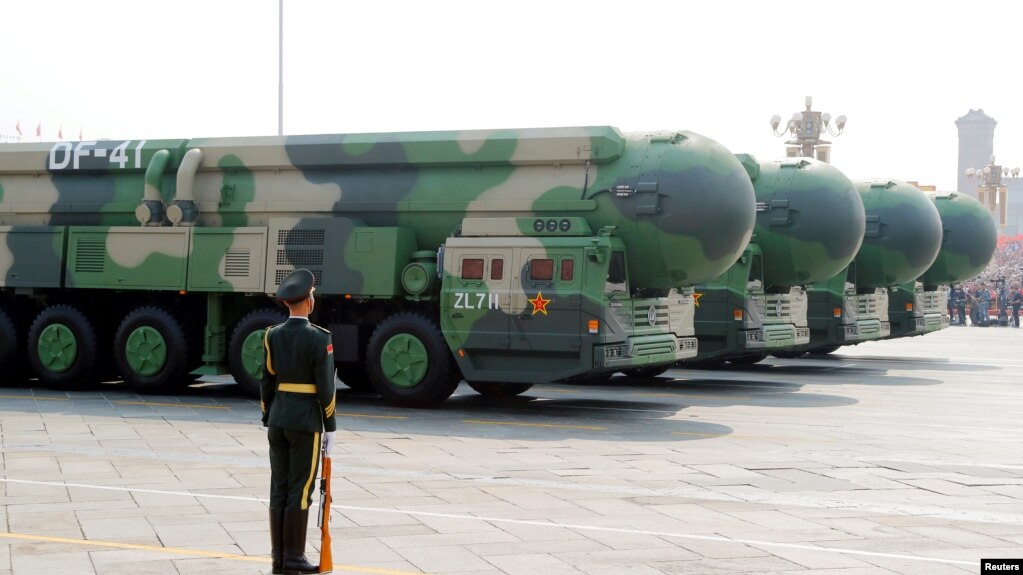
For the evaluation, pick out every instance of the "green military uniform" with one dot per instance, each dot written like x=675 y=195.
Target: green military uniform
x=297 y=399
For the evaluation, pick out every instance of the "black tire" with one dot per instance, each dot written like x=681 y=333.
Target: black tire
x=748 y=359
x=355 y=376
x=498 y=388
x=63 y=348
x=245 y=350
x=646 y=372
x=825 y=350
x=409 y=362
x=152 y=351
x=13 y=367
x=788 y=354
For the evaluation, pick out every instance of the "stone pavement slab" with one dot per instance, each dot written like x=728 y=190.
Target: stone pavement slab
x=889 y=457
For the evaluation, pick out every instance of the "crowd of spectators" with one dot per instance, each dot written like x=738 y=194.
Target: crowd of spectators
x=996 y=293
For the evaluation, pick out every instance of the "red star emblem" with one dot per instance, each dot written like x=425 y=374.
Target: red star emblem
x=539 y=303
x=696 y=298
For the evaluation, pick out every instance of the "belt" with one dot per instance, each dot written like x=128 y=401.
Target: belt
x=297 y=387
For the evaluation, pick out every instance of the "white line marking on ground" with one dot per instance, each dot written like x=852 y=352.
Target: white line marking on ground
x=578 y=527
x=695 y=493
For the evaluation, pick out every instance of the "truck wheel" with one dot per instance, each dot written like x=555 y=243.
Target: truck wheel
x=788 y=354
x=409 y=362
x=13 y=370
x=748 y=359
x=151 y=351
x=62 y=348
x=245 y=350
x=499 y=389
x=645 y=372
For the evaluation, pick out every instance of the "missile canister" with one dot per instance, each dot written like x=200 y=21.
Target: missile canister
x=681 y=202
x=903 y=233
x=968 y=240
x=810 y=221
x=809 y=226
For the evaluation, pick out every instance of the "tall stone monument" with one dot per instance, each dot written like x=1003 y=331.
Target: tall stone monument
x=976 y=145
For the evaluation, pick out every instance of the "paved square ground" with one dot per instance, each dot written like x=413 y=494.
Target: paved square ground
x=888 y=457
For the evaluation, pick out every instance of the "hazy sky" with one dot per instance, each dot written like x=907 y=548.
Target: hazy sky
x=902 y=71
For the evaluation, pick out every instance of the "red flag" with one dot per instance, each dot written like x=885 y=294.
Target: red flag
x=18 y=128
x=39 y=130
x=79 y=134
x=60 y=133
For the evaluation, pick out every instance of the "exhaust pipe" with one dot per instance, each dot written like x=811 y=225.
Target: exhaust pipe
x=150 y=211
x=184 y=211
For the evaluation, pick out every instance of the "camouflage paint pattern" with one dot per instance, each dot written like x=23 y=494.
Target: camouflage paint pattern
x=810 y=221
x=968 y=243
x=681 y=202
x=903 y=234
x=234 y=215
x=902 y=238
x=968 y=240
x=809 y=226
x=498 y=307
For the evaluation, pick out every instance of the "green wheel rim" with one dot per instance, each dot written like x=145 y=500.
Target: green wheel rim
x=146 y=351
x=58 y=347
x=404 y=360
x=252 y=353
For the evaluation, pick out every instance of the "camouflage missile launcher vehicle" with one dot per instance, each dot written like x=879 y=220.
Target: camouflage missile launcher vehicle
x=809 y=226
x=968 y=243
x=902 y=238
x=504 y=257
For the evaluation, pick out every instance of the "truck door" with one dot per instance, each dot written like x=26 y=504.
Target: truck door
x=475 y=303
x=546 y=301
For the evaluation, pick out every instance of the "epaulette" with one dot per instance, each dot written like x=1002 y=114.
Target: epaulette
x=323 y=329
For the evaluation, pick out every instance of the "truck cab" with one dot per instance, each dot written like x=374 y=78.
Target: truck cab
x=739 y=320
x=531 y=300
x=840 y=314
x=913 y=310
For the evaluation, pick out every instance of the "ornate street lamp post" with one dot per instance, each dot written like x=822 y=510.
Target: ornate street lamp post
x=806 y=129
x=991 y=189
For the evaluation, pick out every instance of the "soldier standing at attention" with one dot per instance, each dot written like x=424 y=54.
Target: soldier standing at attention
x=297 y=400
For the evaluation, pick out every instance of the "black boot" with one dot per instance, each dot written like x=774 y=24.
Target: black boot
x=294 y=561
x=277 y=538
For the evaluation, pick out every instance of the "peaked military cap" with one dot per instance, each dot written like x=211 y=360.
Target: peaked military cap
x=297 y=286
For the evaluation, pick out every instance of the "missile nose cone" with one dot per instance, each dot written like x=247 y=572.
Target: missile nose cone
x=903 y=233
x=968 y=240
x=708 y=214
x=812 y=221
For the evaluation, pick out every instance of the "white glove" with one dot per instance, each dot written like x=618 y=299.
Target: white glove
x=328 y=442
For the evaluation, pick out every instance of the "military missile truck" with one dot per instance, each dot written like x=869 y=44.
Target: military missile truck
x=809 y=226
x=968 y=242
x=902 y=238
x=505 y=257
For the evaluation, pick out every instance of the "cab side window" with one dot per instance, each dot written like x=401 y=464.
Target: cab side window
x=755 y=281
x=617 y=281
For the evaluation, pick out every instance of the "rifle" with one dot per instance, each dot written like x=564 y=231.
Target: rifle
x=323 y=520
